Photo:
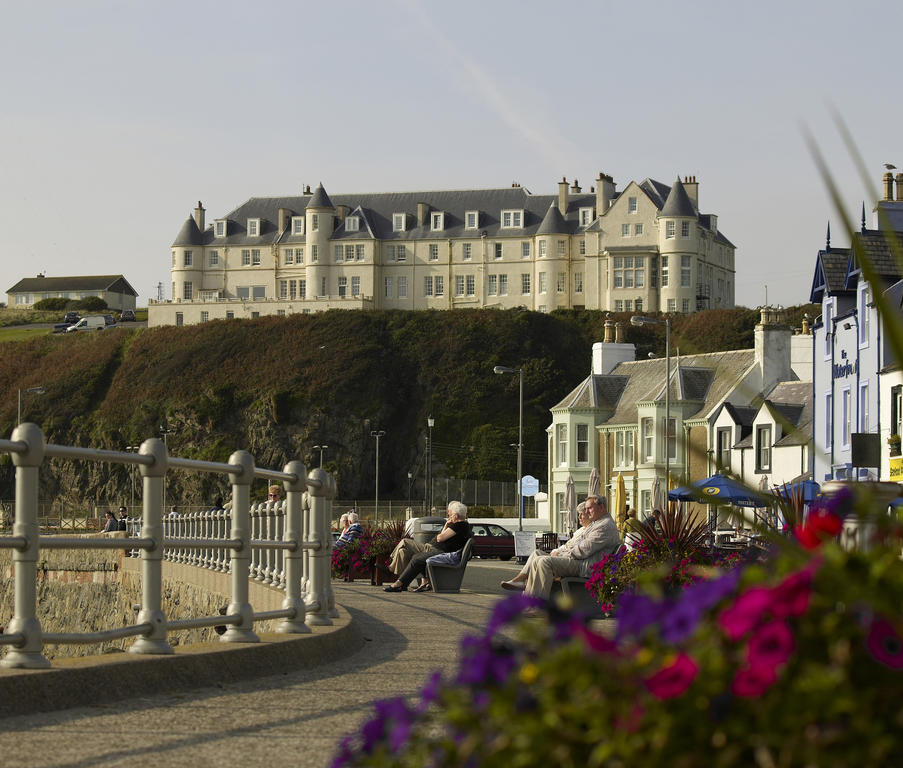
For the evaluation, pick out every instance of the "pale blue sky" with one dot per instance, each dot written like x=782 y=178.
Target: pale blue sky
x=119 y=116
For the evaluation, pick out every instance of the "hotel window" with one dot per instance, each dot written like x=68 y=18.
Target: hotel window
x=624 y=449
x=387 y=287
x=230 y=315
x=459 y=285
x=562 y=283
x=255 y=257
x=398 y=222
x=669 y=229
x=302 y=289
x=685 y=306
x=619 y=305
x=685 y=229
x=864 y=316
x=390 y=253
x=829 y=328
x=323 y=286
x=542 y=249
x=299 y=255
x=582 y=247
x=315 y=222
x=864 y=407
x=439 y=285
x=896 y=410
x=283 y=289
x=512 y=219
x=542 y=282
x=625 y=230
x=525 y=284
x=293 y=289
x=219 y=228
x=402 y=287
x=493 y=285
x=437 y=222
x=400 y=253
x=586 y=216
x=638 y=229
x=525 y=250
x=253 y=227
x=258 y=291
x=503 y=285
x=288 y=256
x=472 y=219
x=562 y=445
x=846 y=417
x=205 y=317
x=466 y=250
x=187 y=258
x=648 y=432
x=471 y=285
x=359 y=252
x=671 y=437
x=428 y=285
x=562 y=248
x=343 y=287
x=582 y=444
x=723 y=448
x=180 y=318
x=628 y=305
x=631 y=205
x=214 y=258
x=355 y=286
x=352 y=223
x=578 y=282
x=638 y=305
x=498 y=250
x=763 y=448
x=243 y=291
x=684 y=271
x=187 y=290
x=672 y=305
x=297 y=225
x=173 y=263
x=434 y=252
x=664 y=271
x=339 y=251
x=349 y=253
x=246 y=258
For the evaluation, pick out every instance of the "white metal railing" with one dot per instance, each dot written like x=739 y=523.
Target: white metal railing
x=286 y=545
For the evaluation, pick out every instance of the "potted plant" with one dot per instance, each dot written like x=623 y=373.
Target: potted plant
x=894 y=442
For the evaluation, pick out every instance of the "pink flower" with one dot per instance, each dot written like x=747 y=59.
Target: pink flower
x=791 y=596
x=771 y=645
x=753 y=681
x=673 y=680
x=596 y=642
x=631 y=721
x=885 y=644
x=746 y=612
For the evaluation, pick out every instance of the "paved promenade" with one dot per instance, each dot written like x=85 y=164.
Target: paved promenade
x=292 y=719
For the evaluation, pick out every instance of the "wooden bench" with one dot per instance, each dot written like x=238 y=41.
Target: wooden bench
x=574 y=588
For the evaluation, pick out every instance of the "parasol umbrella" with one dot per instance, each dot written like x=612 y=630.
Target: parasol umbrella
x=594 y=485
x=808 y=488
x=657 y=501
x=570 y=503
x=719 y=489
x=620 y=496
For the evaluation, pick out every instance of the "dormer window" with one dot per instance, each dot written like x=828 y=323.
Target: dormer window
x=297 y=225
x=398 y=221
x=714 y=220
x=253 y=227
x=219 y=228
x=513 y=219
x=586 y=216
x=352 y=223
x=437 y=221
x=472 y=219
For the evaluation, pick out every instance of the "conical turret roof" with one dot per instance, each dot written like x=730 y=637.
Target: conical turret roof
x=189 y=234
x=553 y=222
x=320 y=199
x=678 y=203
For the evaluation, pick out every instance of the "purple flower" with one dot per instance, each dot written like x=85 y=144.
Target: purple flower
x=635 y=613
x=679 y=619
x=509 y=609
x=708 y=594
x=430 y=692
x=484 y=661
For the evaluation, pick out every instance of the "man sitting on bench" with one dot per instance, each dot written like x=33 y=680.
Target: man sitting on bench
x=597 y=538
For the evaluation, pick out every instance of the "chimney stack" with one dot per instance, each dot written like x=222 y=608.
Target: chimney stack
x=563 y=196
x=284 y=218
x=900 y=186
x=605 y=192
x=199 y=216
x=609 y=326
x=575 y=188
x=423 y=212
x=342 y=211
x=619 y=332
x=888 y=186
x=692 y=188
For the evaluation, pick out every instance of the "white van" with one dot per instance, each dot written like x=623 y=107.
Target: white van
x=89 y=323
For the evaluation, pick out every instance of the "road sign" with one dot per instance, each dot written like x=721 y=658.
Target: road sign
x=529 y=485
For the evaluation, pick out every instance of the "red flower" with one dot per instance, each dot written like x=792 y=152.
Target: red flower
x=791 y=596
x=821 y=524
x=746 y=612
x=885 y=644
x=753 y=681
x=673 y=680
x=771 y=645
x=596 y=642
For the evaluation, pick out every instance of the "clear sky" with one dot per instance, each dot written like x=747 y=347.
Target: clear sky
x=119 y=116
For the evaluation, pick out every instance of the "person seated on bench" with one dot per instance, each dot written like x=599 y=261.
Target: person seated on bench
x=451 y=538
x=352 y=532
x=597 y=538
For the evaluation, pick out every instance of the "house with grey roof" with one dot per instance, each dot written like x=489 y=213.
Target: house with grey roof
x=113 y=289
x=646 y=248
x=614 y=420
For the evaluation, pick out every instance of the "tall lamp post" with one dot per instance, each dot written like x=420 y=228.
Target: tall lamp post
x=322 y=448
x=39 y=390
x=641 y=320
x=132 y=449
x=520 y=440
x=377 y=434
x=164 y=431
x=428 y=491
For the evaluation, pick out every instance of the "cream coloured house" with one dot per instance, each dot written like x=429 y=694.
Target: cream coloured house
x=647 y=248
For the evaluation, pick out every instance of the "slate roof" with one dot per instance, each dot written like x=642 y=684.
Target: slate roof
x=830 y=273
x=678 y=202
x=112 y=283
x=792 y=400
x=877 y=248
x=595 y=391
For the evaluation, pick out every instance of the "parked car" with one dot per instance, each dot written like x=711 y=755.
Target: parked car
x=491 y=540
x=90 y=323
x=127 y=316
x=423 y=529
x=72 y=317
x=109 y=320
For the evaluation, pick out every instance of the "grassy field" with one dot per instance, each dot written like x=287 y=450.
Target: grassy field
x=18 y=334
x=9 y=316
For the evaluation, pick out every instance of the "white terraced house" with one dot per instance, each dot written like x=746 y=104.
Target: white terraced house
x=644 y=249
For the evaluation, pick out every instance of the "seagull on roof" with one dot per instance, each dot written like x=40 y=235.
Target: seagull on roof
x=890 y=166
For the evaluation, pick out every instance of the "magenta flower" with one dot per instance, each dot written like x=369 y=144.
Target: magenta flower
x=791 y=596
x=673 y=680
x=750 y=682
x=885 y=644
x=771 y=645
x=746 y=612
x=596 y=642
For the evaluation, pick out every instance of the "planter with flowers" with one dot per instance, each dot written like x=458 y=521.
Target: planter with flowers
x=894 y=442
x=368 y=556
x=793 y=661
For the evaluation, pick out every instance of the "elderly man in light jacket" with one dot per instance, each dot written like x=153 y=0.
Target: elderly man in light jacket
x=597 y=538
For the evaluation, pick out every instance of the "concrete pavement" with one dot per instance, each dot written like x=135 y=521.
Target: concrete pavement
x=293 y=718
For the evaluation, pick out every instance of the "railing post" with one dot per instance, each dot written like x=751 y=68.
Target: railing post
x=320 y=559
x=153 y=477
x=30 y=654
x=241 y=557
x=305 y=536
x=294 y=490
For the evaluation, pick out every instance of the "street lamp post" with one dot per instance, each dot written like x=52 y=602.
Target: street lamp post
x=377 y=434
x=428 y=493
x=165 y=430
x=520 y=440
x=640 y=320
x=132 y=449
x=322 y=448
x=39 y=390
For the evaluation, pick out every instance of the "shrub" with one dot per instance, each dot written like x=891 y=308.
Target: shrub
x=90 y=304
x=54 y=304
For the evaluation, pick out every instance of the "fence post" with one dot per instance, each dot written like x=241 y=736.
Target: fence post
x=241 y=557
x=30 y=654
x=320 y=560
x=153 y=477
x=294 y=491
